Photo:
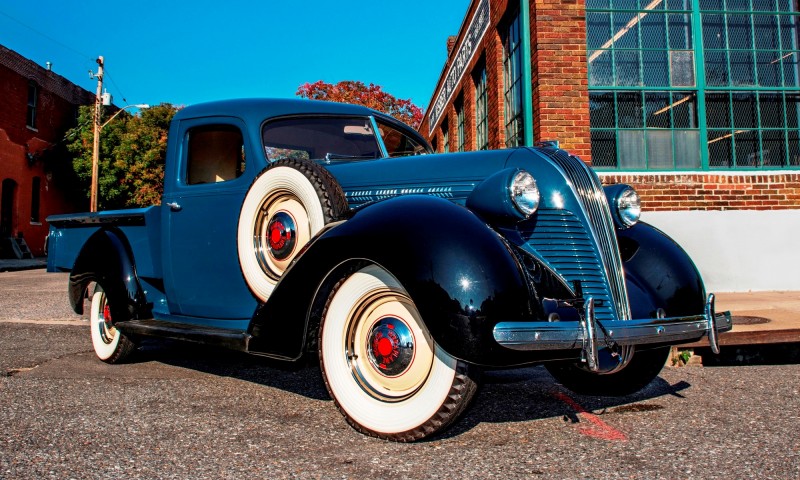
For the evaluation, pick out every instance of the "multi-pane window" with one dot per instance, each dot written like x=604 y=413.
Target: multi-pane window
x=752 y=87
x=445 y=138
x=33 y=100
x=481 y=109
x=460 y=124
x=648 y=84
x=512 y=81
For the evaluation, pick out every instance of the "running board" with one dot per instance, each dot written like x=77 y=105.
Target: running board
x=232 y=339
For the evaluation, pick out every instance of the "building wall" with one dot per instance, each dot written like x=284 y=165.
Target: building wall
x=736 y=218
x=23 y=148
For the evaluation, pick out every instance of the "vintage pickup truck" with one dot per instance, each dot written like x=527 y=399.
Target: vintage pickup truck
x=292 y=227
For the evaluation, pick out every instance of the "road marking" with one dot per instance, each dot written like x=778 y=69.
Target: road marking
x=600 y=429
x=78 y=323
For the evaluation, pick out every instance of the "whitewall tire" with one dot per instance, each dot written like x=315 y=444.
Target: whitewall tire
x=381 y=366
x=289 y=203
x=110 y=344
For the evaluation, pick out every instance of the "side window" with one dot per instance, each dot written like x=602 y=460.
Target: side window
x=216 y=154
x=398 y=144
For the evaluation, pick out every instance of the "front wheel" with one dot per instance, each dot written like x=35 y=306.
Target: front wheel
x=110 y=344
x=381 y=366
x=643 y=368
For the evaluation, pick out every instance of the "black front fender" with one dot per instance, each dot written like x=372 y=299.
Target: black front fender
x=106 y=258
x=460 y=273
x=659 y=274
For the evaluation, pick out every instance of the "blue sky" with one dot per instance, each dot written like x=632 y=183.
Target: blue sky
x=185 y=52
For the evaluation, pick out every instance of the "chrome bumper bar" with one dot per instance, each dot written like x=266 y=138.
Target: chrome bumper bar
x=588 y=334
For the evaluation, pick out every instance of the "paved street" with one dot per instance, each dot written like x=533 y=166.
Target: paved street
x=183 y=411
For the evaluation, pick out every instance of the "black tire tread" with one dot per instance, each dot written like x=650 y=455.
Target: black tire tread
x=330 y=193
x=463 y=389
x=125 y=346
x=643 y=368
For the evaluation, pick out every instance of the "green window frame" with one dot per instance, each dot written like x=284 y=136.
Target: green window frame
x=481 y=111
x=693 y=84
x=445 y=138
x=512 y=82
x=460 y=124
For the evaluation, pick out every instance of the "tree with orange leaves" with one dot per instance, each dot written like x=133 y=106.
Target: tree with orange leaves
x=372 y=96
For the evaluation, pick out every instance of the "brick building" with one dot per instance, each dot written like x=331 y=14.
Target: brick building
x=696 y=103
x=37 y=107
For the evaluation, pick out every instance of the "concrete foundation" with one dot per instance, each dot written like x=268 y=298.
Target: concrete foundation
x=738 y=250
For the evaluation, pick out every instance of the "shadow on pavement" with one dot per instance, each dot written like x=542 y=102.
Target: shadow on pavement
x=515 y=395
x=767 y=354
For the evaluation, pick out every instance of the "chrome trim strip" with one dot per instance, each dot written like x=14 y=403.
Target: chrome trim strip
x=571 y=335
x=713 y=339
x=589 y=190
x=589 y=330
x=376 y=131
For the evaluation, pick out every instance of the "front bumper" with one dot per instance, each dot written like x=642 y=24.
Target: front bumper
x=589 y=334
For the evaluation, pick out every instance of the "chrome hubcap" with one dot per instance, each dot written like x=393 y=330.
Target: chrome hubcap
x=391 y=346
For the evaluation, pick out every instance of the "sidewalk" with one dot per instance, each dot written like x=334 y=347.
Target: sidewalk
x=13 y=265
x=758 y=317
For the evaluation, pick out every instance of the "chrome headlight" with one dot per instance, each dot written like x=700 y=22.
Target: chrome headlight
x=524 y=193
x=628 y=207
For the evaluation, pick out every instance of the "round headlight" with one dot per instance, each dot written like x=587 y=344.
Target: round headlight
x=629 y=207
x=524 y=193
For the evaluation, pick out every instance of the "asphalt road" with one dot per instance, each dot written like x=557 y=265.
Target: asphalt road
x=182 y=411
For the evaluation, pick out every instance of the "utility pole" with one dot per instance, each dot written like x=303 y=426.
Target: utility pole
x=98 y=110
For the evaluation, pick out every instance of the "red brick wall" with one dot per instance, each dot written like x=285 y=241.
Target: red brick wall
x=559 y=74
x=711 y=191
x=21 y=148
x=561 y=112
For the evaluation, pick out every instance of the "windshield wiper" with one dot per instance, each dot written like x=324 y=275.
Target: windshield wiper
x=338 y=156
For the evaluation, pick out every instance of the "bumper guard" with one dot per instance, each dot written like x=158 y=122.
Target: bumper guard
x=589 y=333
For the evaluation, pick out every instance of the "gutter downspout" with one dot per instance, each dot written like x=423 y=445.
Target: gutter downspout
x=527 y=82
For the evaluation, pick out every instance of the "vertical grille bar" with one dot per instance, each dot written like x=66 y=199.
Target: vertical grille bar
x=593 y=199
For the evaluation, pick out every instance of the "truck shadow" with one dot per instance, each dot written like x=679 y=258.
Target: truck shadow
x=516 y=395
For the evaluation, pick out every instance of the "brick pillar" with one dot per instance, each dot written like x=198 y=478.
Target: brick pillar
x=559 y=74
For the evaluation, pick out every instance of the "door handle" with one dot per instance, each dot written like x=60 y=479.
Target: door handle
x=174 y=206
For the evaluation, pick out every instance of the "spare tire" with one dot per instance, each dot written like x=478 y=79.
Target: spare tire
x=287 y=204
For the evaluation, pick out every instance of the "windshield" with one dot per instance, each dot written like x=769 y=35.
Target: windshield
x=329 y=138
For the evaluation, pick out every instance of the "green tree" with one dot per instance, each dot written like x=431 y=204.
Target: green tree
x=132 y=155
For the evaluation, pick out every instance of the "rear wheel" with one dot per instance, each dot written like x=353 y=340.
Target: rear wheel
x=381 y=366
x=110 y=344
x=642 y=369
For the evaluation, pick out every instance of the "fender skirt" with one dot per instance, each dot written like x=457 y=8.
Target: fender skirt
x=106 y=258
x=659 y=274
x=461 y=275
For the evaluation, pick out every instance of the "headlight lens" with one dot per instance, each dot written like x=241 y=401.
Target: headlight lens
x=629 y=207
x=524 y=193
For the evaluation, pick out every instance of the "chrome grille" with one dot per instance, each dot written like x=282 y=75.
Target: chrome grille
x=561 y=240
x=593 y=199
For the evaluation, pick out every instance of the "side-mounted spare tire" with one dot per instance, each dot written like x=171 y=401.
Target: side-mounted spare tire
x=287 y=204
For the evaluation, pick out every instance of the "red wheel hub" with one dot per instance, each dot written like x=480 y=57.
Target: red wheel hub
x=391 y=346
x=281 y=235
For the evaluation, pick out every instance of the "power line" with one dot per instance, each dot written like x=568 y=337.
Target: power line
x=67 y=47
x=116 y=86
x=62 y=44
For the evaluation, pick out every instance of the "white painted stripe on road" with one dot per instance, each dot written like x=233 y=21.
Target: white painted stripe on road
x=77 y=323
